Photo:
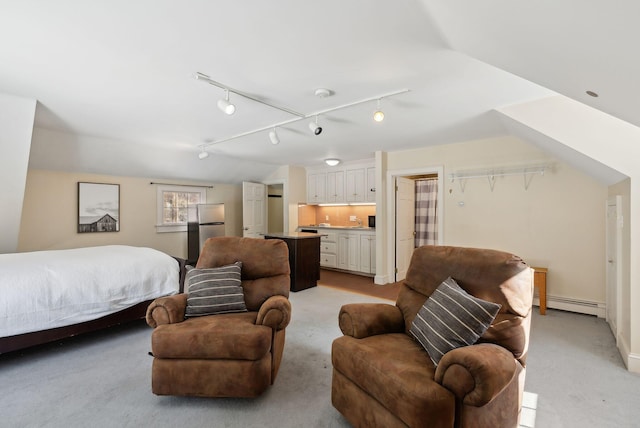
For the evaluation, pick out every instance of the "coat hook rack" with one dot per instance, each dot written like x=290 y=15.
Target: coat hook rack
x=527 y=172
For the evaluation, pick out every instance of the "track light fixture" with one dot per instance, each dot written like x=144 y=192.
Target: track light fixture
x=315 y=128
x=378 y=116
x=225 y=105
x=273 y=136
x=203 y=154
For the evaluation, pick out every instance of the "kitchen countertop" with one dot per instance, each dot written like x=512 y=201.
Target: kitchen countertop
x=338 y=227
x=294 y=235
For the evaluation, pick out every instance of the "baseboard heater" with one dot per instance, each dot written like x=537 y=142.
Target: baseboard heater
x=574 y=305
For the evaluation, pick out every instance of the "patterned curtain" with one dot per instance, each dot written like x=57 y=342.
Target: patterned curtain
x=426 y=210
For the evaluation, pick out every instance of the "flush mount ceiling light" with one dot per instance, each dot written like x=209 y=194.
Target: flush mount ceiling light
x=315 y=128
x=323 y=93
x=203 y=154
x=378 y=116
x=332 y=162
x=225 y=105
x=273 y=136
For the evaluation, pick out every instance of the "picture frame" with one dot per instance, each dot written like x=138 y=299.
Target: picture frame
x=98 y=207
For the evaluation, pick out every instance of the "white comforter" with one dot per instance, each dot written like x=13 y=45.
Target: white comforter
x=47 y=289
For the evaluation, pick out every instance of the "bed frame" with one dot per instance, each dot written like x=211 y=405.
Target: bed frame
x=26 y=340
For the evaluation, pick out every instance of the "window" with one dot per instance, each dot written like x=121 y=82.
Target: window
x=176 y=205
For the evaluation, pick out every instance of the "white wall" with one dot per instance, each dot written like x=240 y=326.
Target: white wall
x=558 y=222
x=16 y=125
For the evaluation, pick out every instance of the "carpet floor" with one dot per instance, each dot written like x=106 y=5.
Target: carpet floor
x=575 y=378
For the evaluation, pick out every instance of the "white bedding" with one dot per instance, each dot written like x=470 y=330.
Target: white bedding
x=47 y=289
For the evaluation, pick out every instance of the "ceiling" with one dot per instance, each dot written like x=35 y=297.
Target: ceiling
x=115 y=87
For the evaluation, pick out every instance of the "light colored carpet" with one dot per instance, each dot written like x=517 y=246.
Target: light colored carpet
x=575 y=378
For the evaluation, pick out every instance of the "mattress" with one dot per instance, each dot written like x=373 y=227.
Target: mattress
x=48 y=289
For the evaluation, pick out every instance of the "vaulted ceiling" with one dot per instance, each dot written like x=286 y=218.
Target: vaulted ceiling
x=115 y=87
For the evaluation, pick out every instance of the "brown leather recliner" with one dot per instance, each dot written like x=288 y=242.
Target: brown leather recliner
x=232 y=354
x=382 y=377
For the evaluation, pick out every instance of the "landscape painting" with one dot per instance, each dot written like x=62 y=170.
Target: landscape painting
x=98 y=207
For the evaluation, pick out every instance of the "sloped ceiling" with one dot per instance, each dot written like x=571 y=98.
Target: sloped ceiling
x=116 y=93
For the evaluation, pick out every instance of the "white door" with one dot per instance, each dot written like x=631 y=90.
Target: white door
x=614 y=267
x=405 y=225
x=254 y=210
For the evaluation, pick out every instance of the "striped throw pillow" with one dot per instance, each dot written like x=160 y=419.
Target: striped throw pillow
x=451 y=318
x=215 y=291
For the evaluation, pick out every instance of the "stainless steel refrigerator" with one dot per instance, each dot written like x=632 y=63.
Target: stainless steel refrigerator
x=209 y=222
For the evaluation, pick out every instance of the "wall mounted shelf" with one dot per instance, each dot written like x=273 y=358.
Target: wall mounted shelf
x=527 y=172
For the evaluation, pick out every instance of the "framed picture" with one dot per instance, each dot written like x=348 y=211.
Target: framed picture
x=98 y=207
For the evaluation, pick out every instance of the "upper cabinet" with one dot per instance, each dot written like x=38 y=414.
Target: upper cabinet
x=352 y=182
x=316 y=187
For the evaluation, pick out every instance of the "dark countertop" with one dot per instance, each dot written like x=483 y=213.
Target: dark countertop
x=294 y=235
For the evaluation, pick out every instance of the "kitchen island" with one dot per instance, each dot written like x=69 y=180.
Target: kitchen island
x=304 y=257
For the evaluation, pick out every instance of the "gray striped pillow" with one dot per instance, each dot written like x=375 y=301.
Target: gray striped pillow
x=215 y=291
x=451 y=318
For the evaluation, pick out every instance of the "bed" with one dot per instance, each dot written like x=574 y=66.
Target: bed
x=50 y=295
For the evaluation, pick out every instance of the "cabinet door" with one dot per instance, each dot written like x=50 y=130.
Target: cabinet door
x=368 y=253
x=343 y=251
x=316 y=187
x=335 y=186
x=354 y=253
x=371 y=184
x=355 y=185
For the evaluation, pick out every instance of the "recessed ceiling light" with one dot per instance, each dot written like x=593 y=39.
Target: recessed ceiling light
x=592 y=94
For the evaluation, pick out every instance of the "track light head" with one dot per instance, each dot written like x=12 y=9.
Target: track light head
x=203 y=154
x=273 y=136
x=378 y=116
x=225 y=105
x=315 y=128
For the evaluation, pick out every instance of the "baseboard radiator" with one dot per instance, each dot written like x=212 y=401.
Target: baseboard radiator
x=574 y=305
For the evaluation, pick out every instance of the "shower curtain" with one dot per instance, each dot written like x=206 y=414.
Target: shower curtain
x=426 y=226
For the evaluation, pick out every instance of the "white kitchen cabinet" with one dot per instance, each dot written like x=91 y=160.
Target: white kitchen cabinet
x=329 y=250
x=349 y=251
x=368 y=253
x=335 y=186
x=316 y=187
x=371 y=184
x=355 y=184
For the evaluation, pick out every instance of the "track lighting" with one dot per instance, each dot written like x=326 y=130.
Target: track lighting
x=378 y=116
x=203 y=154
x=225 y=105
x=315 y=128
x=332 y=162
x=273 y=136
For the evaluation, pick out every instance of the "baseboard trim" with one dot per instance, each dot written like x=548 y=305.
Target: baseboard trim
x=574 y=305
x=381 y=279
x=633 y=363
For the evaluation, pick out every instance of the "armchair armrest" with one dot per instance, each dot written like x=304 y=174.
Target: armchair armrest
x=477 y=373
x=368 y=319
x=167 y=310
x=275 y=312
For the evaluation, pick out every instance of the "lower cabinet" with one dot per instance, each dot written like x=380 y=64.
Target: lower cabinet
x=348 y=250
x=368 y=253
x=329 y=250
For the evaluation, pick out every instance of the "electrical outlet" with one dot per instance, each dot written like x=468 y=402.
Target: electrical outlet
x=352 y=218
x=326 y=217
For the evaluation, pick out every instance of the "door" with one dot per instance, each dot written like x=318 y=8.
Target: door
x=254 y=210
x=614 y=268
x=405 y=224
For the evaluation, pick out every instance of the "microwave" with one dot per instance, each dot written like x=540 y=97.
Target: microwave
x=372 y=221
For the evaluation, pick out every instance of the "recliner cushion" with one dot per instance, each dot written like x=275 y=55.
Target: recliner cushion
x=395 y=371
x=225 y=336
x=451 y=318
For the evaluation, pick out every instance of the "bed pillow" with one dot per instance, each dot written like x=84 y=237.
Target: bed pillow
x=215 y=291
x=451 y=318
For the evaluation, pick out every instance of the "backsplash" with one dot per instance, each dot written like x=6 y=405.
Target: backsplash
x=336 y=216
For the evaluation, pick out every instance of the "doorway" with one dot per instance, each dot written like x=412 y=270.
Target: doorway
x=401 y=218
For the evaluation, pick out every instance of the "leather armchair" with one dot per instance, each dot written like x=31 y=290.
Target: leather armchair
x=382 y=377
x=225 y=355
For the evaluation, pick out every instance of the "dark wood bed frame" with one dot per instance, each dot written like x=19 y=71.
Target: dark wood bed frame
x=136 y=312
